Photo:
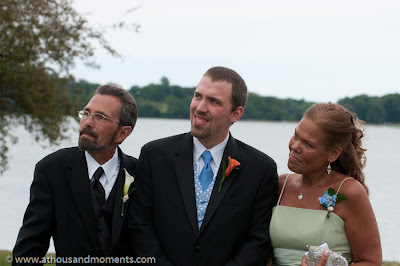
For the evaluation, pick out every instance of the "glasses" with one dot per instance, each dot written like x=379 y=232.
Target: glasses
x=97 y=117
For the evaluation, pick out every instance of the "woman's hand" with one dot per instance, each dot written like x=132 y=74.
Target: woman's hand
x=322 y=261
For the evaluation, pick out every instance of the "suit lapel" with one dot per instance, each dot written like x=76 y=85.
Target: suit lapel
x=232 y=151
x=183 y=164
x=80 y=186
x=119 y=185
x=117 y=217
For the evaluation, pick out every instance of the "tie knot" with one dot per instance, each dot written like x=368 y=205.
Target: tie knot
x=99 y=172
x=207 y=157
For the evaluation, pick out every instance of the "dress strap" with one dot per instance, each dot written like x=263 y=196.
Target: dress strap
x=337 y=192
x=284 y=184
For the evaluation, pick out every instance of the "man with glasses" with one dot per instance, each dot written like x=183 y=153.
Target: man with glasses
x=78 y=194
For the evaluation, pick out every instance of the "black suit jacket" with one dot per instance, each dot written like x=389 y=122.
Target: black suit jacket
x=163 y=217
x=61 y=207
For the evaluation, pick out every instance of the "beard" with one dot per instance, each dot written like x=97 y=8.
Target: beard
x=200 y=133
x=87 y=145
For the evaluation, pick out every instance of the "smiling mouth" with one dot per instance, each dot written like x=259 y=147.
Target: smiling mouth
x=293 y=158
x=199 y=120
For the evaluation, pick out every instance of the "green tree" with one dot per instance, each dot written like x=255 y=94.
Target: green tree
x=163 y=100
x=369 y=109
x=271 y=108
x=79 y=93
x=40 y=40
x=376 y=112
x=392 y=107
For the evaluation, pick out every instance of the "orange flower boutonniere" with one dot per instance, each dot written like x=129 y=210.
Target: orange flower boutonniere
x=226 y=171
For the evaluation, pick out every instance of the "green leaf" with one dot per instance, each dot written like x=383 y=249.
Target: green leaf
x=331 y=191
x=223 y=176
x=122 y=209
x=223 y=164
x=131 y=189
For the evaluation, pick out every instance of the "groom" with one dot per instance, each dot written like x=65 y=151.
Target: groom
x=76 y=194
x=185 y=212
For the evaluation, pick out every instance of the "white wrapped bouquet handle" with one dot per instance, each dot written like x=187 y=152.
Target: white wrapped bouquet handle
x=314 y=254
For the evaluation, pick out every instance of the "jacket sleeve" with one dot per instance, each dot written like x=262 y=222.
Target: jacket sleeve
x=142 y=235
x=255 y=250
x=34 y=236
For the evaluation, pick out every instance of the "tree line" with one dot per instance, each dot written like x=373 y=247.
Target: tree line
x=163 y=100
x=40 y=42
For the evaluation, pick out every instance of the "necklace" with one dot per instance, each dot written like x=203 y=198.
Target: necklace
x=301 y=195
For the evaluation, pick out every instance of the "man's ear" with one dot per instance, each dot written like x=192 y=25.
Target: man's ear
x=123 y=133
x=236 y=114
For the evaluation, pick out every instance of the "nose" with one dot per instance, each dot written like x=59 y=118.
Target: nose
x=294 y=145
x=89 y=121
x=202 y=106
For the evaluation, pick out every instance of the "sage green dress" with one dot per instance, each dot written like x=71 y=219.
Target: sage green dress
x=292 y=230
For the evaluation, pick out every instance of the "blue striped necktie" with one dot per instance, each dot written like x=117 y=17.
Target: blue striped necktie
x=206 y=175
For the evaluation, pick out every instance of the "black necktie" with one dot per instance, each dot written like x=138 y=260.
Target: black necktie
x=97 y=187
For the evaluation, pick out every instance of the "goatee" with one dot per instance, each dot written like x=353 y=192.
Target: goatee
x=87 y=145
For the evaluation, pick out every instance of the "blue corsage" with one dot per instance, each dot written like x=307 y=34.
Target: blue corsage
x=330 y=199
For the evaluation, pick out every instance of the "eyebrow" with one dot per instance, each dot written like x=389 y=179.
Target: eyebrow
x=215 y=99
x=98 y=112
x=303 y=139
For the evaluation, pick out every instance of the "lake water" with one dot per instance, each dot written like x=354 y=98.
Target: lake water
x=383 y=157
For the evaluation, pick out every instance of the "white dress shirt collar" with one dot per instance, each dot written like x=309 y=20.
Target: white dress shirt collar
x=109 y=167
x=217 y=152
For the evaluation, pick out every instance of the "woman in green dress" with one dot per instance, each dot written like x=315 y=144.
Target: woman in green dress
x=325 y=200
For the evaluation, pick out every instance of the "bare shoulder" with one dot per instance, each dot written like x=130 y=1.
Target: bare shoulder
x=359 y=218
x=357 y=201
x=283 y=177
x=352 y=188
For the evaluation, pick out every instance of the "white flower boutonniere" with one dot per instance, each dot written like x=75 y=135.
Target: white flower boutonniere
x=128 y=189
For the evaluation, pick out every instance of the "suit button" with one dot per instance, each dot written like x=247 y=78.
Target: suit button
x=197 y=248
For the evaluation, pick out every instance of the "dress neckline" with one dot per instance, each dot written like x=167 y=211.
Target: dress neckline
x=287 y=177
x=310 y=210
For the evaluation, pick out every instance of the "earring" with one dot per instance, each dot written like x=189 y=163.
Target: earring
x=329 y=169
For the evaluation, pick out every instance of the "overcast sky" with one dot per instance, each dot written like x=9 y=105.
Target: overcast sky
x=315 y=50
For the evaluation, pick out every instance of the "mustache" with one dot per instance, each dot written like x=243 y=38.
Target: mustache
x=88 y=131
x=199 y=113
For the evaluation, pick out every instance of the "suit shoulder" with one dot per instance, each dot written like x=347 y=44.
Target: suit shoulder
x=166 y=142
x=128 y=162
x=250 y=151
x=127 y=157
x=131 y=158
x=61 y=155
